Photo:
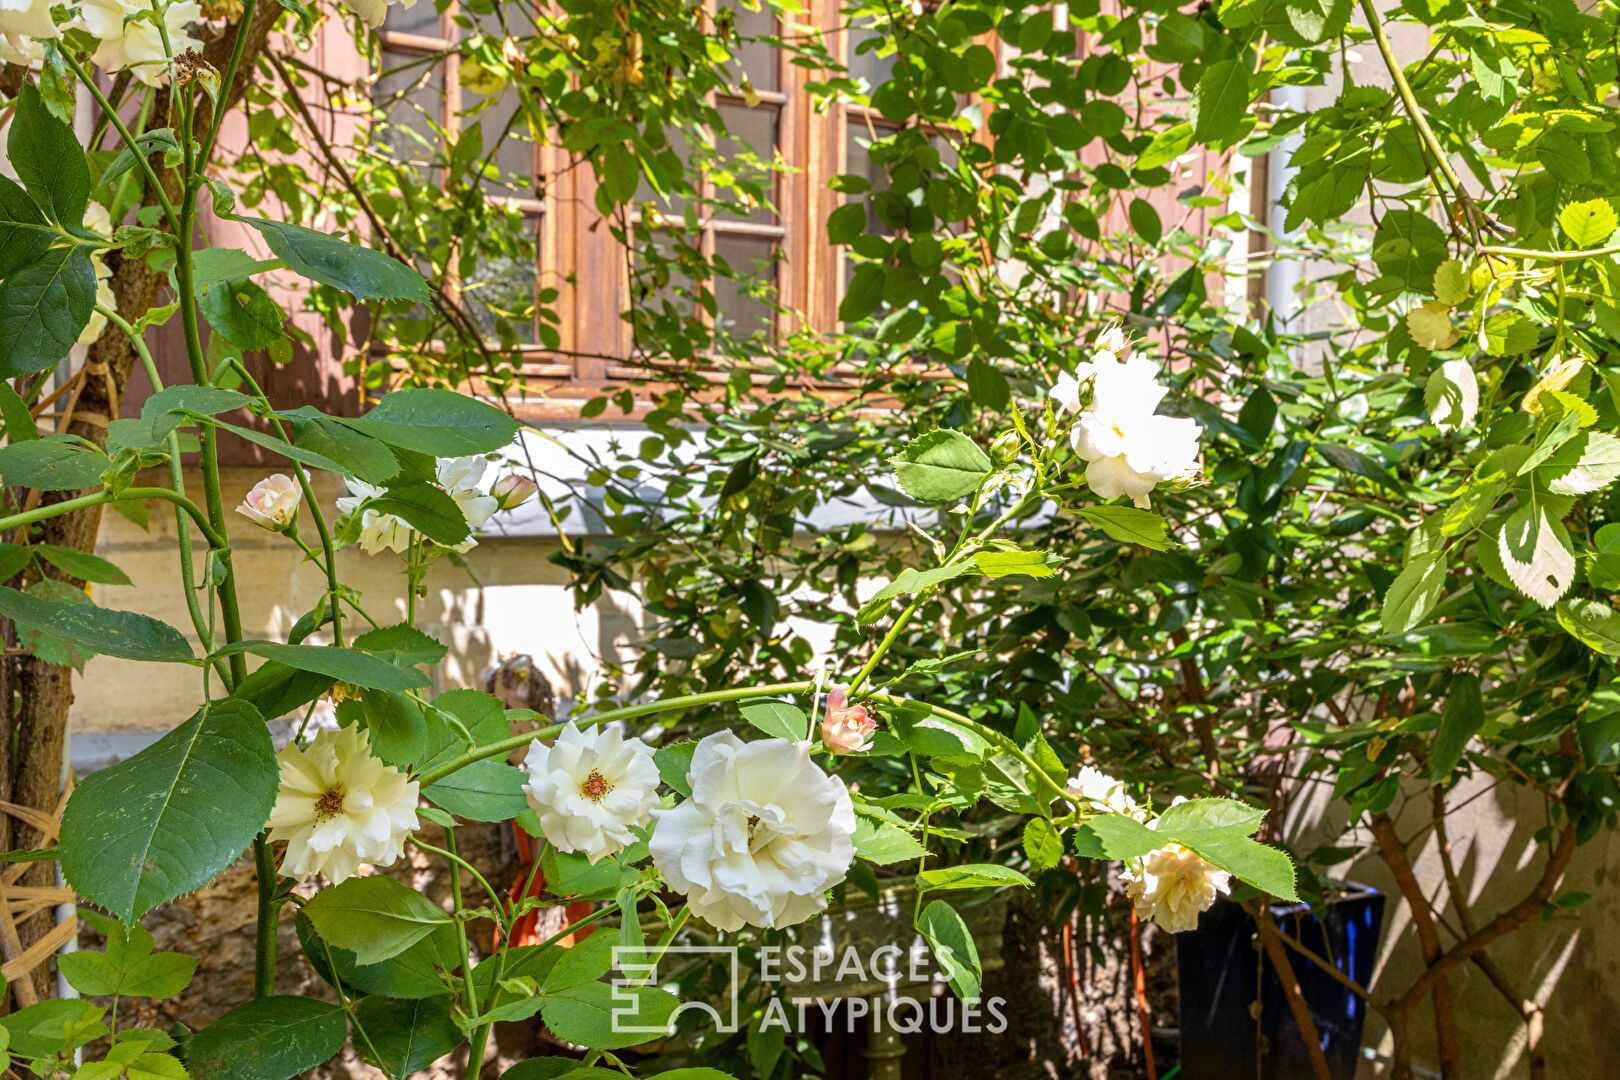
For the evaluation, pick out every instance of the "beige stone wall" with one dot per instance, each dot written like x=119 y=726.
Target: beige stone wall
x=509 y=599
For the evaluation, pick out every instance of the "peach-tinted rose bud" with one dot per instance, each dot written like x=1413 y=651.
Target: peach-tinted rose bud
x=512 y=491
x=846 y=729
x=273 y=502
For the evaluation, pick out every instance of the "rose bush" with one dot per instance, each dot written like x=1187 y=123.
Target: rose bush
x=752 y=834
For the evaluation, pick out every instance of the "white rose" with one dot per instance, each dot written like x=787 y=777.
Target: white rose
x=273 y=502
x=1066 y=392
x=764 y=836
x=373 y=12
x=1103 y=793
x=138 y=44
x=1173 y=885
x=22 y=23
x=460 y=477
x=339 y=807
x=589 y=787
x=97 y=220
x=1130 y=447
x=378 y=531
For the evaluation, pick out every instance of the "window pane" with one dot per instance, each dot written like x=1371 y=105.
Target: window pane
x=738 y=313
x=410 y=93
x=757 y=58
x=503 y=288
x=421 y=19
x=755 y=130
x=515 y=159
x=864 y=61
x=858 y=160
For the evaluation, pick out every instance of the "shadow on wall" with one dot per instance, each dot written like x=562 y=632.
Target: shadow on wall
x=1569 y=963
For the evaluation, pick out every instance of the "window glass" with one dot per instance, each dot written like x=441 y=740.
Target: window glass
x=754 y=129
x=758 y=59
x=411 y=95
x=741 y=314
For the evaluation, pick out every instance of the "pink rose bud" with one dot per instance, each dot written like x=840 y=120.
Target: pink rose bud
x=512 y=491
x=846 y=729
x=273 y=502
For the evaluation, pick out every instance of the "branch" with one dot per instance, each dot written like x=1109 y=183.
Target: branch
x=1269 y=940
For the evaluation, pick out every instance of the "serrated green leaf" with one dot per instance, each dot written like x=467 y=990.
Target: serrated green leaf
x=941 y=466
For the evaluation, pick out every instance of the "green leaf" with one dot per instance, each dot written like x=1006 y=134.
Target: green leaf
x=864 y=294
x=482 y=716
x=884 y=843
x=242 y=313
x=953 y=947
x=1536 y=554
x=1129 y=525
x=987 y=386
x=167 y=819
x=1507 y=333
x=1588 y=224
x=674 y=762
x=1219 y=102
x=777 y=719
x=125 y=634
x=426 y=508
x=408 y=1035
x=1313 y=21
x=1265 y=867
x=908 y=581
x=846 y=223
x=359 y=271
x=43 y=309
x=1413 y=593
x=271 y=1038
x=1592 y=623
x=417 y=972
x=397 y=727
x=1166 y=146
x=1000 y=564
x=483 y=791
x=1461 y=720
x=1145 y=221
x=585 y=1014
x=373 y=917
x=1212 y=814
x=344 y=665
x=440 y=423
x=360 y=455
x=81 y=565
x=210 y=266
x=970 y=876
x=402 y=644
x=54 y=1027
x=128 y=967
x=1588 y=462
x=53 y=463
x=48 y=160
x=24 y=236
x=1113 y=836
x=941 y=466
x=1042 y=844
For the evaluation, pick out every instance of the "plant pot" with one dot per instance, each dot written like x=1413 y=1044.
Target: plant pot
x=1220 y=968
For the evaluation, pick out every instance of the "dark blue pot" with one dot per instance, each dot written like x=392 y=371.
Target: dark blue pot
x=1220 y=972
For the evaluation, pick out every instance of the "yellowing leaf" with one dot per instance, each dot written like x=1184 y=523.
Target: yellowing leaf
x=1451 y=282
x=1588 y=224
x=1556 y=379
x=1431 y=325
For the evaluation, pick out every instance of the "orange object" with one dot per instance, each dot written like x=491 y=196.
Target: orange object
x=525 y=931
x=1139 y=978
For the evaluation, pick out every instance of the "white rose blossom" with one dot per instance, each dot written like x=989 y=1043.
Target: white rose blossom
x=340 y=806
x=765 y=834
x=273 y=502
x=457 y=476
x=23 y=23
x=1173 y=885
x=1130 y=448
x=98 y=220
x=1103 y=793
x=137 y=43
x=373 y=12
x=589 y=787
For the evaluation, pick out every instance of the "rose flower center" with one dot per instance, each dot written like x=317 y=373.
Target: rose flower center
x=330 y=805
x=595 y=786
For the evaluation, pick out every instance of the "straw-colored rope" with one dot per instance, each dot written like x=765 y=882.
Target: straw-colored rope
x=18 y=903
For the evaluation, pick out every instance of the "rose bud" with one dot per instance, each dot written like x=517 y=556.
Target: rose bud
x=846 y=729
x=512 y=491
